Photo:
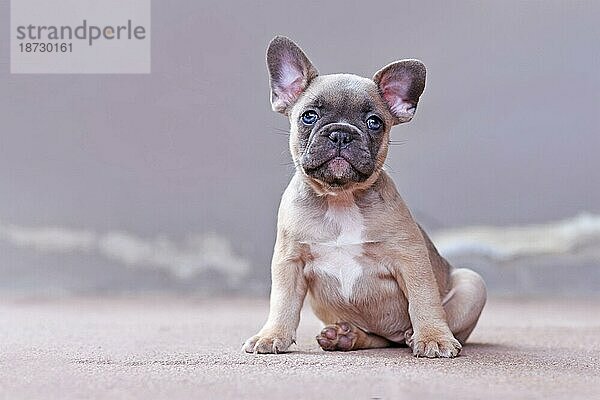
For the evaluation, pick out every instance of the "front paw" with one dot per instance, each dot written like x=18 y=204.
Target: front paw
x=434 y=344
x=268 y=343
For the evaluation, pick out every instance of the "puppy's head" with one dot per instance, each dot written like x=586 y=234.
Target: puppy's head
x=340 y=124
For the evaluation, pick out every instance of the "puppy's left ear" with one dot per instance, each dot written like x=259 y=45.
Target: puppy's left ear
x=401 y=84
x=290 y=72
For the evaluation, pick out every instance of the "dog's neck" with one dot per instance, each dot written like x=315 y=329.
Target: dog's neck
x=337 y=196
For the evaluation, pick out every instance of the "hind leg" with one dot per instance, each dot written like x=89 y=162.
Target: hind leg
x=343 y=336
x=464 y=302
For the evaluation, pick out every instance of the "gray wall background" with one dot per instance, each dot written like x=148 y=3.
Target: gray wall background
x=507 y=132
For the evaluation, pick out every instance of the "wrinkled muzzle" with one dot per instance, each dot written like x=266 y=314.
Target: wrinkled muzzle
x=338 y=154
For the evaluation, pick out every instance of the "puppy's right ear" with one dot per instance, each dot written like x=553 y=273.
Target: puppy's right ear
x=290 y=72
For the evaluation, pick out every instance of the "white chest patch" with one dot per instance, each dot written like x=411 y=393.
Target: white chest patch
x=337 y=258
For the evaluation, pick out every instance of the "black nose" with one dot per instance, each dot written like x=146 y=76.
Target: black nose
x=340 y=137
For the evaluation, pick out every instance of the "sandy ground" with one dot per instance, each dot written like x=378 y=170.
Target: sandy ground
x=157 y=347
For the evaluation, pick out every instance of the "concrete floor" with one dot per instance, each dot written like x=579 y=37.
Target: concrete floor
x=175 y=348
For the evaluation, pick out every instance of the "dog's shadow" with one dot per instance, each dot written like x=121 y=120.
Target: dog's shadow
x=469 y=350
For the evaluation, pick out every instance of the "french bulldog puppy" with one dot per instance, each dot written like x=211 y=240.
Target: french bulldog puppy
x=345 y=237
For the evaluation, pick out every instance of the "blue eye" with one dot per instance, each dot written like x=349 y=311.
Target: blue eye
x=374 y=123
x=309 y=117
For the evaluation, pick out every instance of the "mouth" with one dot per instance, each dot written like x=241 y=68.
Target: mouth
x=337 y=172
x=338 y=166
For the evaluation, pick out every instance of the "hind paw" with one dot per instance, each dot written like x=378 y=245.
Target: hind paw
x=340 y=336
